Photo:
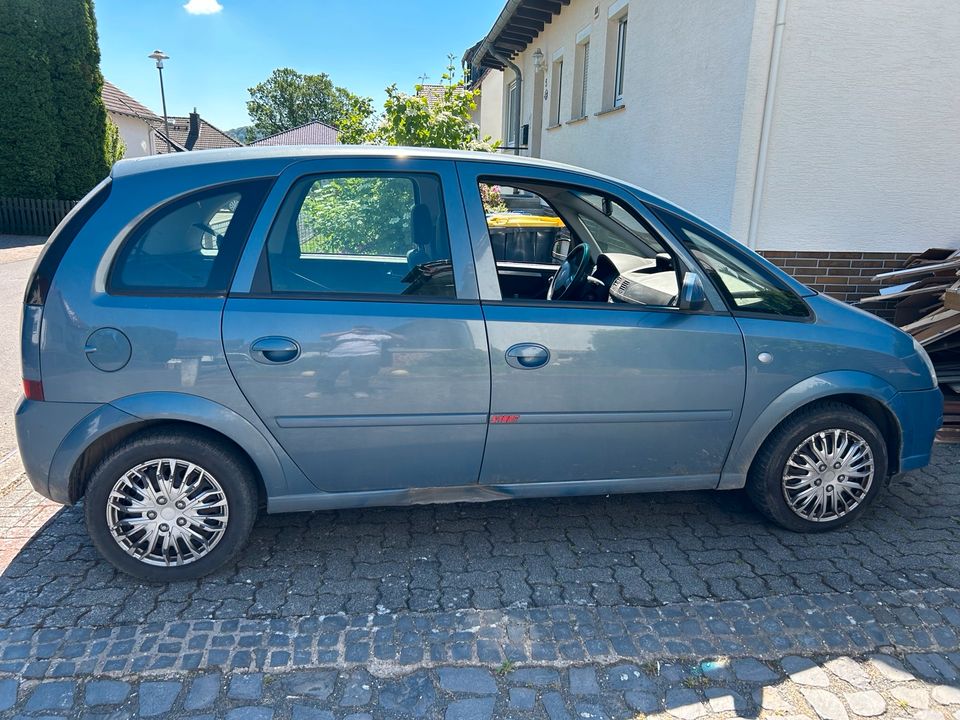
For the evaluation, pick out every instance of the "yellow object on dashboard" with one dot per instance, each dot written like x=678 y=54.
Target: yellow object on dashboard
x=521 y=220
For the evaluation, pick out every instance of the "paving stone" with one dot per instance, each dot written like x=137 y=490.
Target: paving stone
x=644 y=702
x=357 y=691
x=866 y=703
x=750 y=670
x=315 y=684
x=523 y=698
x=583 y=681
x=771 y=699
x=589 y=711
x=413 y=694
x=684 y=703
x=106 y=692
x=157 y=698
x=58 y=695
x=250 y=712
x=476 y=681
x=629 y=677
x=929 y=714
x=915 y=696
x=537 y=676
x=555 y=707
x=825 y=704
x=203 y=692
x=725 y=700
x=890 y=668
x=946 y=694
x=246 y=687
x=471 y=709
x=8 y=693
x=303 y=712
x=848 y=670
x=351 y=716
x=804 y=671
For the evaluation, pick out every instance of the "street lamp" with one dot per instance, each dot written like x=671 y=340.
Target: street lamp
x=159 y=56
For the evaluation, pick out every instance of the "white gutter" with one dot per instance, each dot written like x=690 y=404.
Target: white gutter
x=773 y=73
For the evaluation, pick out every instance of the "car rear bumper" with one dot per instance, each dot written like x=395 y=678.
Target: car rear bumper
x=41 y=429
x=920 y=414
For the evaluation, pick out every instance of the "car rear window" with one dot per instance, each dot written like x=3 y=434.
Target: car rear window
x=190 y=245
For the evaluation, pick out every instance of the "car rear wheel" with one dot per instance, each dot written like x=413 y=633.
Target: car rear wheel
x=166 y=506
x=820 y=469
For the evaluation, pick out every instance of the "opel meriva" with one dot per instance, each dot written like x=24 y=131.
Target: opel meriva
x=303 y=329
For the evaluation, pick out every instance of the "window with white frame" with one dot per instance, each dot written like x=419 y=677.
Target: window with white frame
x=513 y=129
x=581 y=80
x=556 y=86
x=620 y=61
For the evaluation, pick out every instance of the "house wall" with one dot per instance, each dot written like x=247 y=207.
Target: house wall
x=489 y=112
x=864 y=149
x=136 y=135
x=678 y=133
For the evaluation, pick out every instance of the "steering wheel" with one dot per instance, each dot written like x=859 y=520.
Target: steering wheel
x=572 y=276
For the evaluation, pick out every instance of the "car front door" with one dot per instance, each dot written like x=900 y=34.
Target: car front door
x=648 y=397
x=354 y=329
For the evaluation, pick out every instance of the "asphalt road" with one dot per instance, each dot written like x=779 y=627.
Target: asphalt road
x=17 y=255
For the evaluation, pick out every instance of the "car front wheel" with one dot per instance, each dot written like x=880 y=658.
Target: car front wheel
x=166 y=506
x=820 y=469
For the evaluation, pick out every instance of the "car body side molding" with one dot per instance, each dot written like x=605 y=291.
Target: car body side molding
x=485 y=493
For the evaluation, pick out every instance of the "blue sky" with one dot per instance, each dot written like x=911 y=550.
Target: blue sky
x=216 y=54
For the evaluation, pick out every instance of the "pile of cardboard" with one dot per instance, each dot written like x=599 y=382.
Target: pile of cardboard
x=927 y=291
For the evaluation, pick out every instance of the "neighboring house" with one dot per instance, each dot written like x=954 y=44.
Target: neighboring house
x=191 y=133
x=311 y=133
x=134 y=120
x=813 y=131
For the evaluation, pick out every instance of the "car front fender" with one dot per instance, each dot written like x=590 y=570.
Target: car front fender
x=751 y=434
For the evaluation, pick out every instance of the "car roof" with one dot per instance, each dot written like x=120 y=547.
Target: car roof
x=148 y=163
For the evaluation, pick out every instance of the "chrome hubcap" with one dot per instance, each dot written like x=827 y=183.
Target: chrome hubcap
x=828 y=475
x=167 y=512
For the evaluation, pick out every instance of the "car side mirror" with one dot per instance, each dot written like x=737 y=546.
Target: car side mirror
x=692 y=295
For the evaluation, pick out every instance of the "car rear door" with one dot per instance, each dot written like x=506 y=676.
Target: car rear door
x=353 y=326
x=645 y=395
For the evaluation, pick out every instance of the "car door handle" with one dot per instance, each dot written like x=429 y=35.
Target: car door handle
x=274 y=350
x=527 y=356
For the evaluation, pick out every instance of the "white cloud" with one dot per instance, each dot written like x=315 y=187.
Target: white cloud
x=203 y=7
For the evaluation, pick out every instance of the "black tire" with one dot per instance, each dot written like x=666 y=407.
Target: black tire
x=765 y=485
x=231 y=471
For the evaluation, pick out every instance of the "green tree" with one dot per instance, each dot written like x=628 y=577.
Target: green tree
x=74 y=60
x=444 y=123
x=115 y=147
x=288 y=98
x=29 y=144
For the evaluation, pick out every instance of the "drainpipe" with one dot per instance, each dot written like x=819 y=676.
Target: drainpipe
x=486 y=47
x=517 y=112
x=768 y=105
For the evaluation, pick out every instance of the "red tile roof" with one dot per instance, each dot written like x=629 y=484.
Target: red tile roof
x=117 y=101
x=210 y=138
x=311 y=133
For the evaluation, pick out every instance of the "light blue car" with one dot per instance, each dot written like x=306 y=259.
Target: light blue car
x=212 y=332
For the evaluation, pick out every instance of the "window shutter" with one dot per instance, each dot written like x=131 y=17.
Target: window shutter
x=586 y=77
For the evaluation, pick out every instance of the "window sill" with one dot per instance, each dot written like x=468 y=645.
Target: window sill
x=574 y=121
x=554 y=127
x=610 y=110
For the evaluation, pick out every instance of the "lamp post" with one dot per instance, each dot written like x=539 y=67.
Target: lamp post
x=159 y=56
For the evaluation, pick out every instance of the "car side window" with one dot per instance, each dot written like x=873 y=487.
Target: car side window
x=191 y=245
x=536 y=228
x=365 y=233
x=744 y=284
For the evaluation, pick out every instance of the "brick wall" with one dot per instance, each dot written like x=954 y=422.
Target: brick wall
x=843 y=275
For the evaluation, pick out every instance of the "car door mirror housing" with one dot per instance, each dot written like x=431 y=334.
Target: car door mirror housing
x=692 y=295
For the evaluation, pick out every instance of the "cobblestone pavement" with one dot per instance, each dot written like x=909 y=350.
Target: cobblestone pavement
x=570 y=588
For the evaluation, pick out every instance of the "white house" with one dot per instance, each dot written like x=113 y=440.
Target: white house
x=816 y=131
x=135 y=121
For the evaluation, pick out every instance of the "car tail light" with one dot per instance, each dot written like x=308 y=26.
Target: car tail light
x=33 y=389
